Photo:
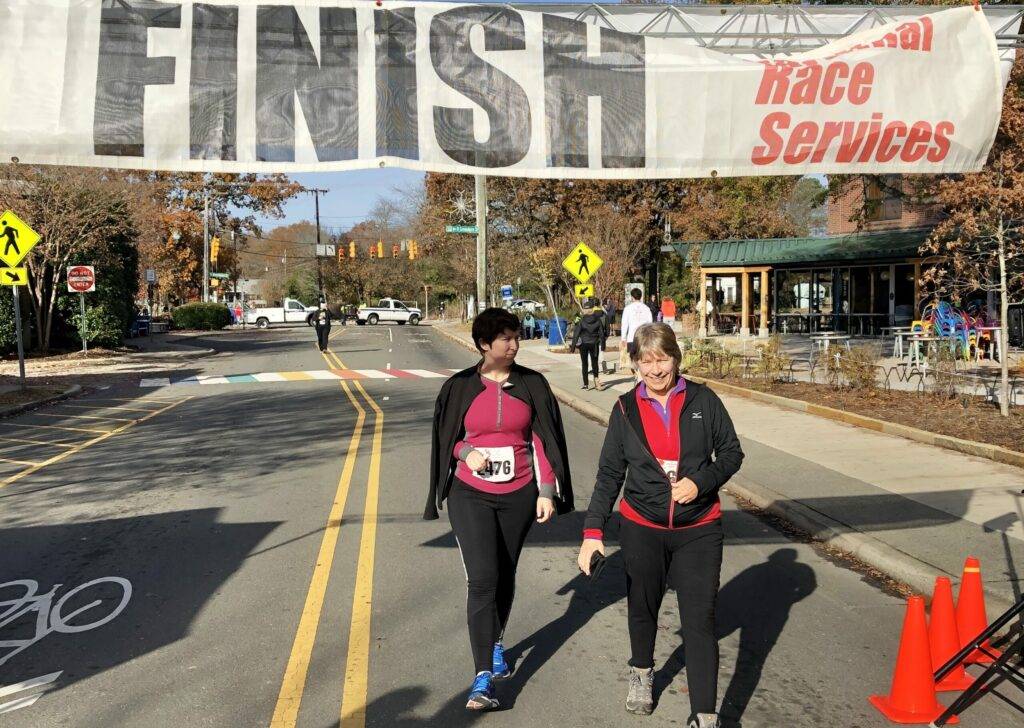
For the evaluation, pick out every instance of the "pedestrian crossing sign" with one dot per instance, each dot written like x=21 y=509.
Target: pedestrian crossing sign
x=584 y=290
x=14 y=276
x=582 y=262
x=17 y=239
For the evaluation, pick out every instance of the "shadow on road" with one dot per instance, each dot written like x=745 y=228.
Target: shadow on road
x=175 y=562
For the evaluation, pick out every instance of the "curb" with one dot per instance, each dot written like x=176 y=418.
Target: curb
x=73 y=391
x=898 y=565
x=967 y=447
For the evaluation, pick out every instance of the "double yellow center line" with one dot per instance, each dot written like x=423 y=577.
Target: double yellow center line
x=357 y=664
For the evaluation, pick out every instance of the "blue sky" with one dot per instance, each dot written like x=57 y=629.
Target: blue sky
x=350 y=196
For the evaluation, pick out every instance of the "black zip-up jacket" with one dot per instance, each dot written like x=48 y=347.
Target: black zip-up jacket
x=458 y=393
x=590 y=330
x=705 y=430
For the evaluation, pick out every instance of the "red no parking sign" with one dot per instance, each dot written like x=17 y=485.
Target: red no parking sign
x=81 y=278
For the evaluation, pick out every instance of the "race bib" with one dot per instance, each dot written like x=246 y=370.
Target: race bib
x=501 y=464
x=671 y=468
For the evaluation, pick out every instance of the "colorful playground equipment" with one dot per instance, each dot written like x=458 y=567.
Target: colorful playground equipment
x=962 y=330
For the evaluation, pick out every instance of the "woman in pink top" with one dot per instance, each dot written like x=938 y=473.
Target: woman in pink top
x=499 y=459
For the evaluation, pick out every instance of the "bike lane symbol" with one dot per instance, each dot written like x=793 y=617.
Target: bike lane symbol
x=53 y=616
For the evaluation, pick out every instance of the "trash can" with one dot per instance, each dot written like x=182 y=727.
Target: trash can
x=556 y=330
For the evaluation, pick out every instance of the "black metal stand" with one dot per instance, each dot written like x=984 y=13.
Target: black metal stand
x=998 y=672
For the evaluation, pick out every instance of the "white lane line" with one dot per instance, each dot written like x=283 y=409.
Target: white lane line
x=388 y=365
x=425 y=374
x=269 y=377
x=322 y=374
x=35 y=682
x=213 y=380
x=374 y=373
x=391 y=336
x=19 y=703
x=155 y=382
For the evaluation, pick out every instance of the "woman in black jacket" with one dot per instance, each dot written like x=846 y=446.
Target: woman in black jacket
x=498 y=457
x=589 y=337
x=672 y=444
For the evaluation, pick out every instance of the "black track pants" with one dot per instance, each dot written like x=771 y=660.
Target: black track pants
x=689 y=561
x=490 y=530
x=323 y=334
x=588 y=351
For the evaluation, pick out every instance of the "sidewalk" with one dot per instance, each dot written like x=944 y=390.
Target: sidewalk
x=910 y=510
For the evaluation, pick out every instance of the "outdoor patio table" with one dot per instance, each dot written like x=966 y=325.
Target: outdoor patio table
x=997 y=336
x=897 y=333
x=914 y=351
x=823 y=340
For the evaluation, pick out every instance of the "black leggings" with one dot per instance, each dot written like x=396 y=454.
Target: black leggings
x=689 y=561
x=591 y=351
x=323 y=335
x=490 y=530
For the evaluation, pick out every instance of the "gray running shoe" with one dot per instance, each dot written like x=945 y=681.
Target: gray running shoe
x=704 y=720
x=640 y=700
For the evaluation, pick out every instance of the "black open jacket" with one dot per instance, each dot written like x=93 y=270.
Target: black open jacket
x=709 y=454
x=458 y=393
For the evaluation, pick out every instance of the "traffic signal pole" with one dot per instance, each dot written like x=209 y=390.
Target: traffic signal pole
x=206 y=246
x=481 y=242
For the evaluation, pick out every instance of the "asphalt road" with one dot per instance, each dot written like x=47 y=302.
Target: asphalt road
x=253 y=554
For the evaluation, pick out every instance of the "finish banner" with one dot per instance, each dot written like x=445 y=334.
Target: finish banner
x=325 y=85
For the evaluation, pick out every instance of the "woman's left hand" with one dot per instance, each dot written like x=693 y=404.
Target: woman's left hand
x=545 y=509
x=684 y=491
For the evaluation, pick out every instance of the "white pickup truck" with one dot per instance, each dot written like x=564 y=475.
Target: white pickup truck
x=388 y=309
x=292 y=312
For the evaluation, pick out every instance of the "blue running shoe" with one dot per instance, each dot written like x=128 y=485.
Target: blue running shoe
x=481 y=693
x=499 y=667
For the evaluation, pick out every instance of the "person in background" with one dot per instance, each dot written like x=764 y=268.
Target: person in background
x=609 y=318
x=652 y=304
x=322 y=322
x=529 y=324
x=635 y=315
x=590 y=332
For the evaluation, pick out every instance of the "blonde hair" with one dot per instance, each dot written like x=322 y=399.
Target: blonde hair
x=658 y=339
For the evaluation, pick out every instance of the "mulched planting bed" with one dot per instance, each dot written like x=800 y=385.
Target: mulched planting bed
x=14 y=397
x=979 y=421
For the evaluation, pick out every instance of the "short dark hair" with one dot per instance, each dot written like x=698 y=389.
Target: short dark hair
x=492 y=323
x=636 y=294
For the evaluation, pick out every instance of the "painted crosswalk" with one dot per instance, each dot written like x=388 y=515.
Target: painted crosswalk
x=303 y=376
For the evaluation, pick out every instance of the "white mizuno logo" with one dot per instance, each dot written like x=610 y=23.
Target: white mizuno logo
x=697 y=416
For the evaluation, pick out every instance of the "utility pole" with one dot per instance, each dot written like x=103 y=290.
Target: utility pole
x=206 y=246
x=319 y=269
x=481 y=242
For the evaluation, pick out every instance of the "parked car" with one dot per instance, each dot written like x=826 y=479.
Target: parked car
x=522 y=305
x=291 y=312
x=388 y=309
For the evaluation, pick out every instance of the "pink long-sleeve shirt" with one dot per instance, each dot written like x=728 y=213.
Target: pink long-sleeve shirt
x=497 y=419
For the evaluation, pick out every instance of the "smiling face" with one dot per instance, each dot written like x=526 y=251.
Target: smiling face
x=658 y=370
x=502 y=351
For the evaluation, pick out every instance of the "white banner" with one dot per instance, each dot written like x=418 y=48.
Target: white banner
x=331 y=85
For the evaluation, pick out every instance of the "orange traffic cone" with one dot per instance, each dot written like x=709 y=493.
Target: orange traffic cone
x=912 y=698
x=971 y=619
x=943 y=638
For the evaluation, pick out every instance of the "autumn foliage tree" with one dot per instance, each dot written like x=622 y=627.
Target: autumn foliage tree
x=979 y=244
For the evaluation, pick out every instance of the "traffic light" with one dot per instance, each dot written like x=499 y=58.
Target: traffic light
x=380 y=248
x=394 y=250
x=214 y=249
x=372 y=250
x=413 y=251
x=352 y=249
x=341 y=254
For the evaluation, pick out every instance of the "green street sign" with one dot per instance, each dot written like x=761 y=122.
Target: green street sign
x=468 y=229
x=222 y=276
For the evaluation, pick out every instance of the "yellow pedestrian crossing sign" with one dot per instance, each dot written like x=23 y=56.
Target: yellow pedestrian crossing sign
x=14 y=276
x=16 y=238
x=582 y=262
x=584 y=290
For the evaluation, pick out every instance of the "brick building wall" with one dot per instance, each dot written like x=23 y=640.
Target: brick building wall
x=841 y=210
